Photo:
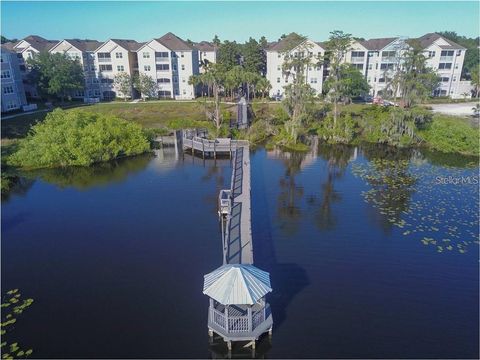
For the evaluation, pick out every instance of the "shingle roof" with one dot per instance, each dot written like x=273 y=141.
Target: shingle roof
x=84 y=45
x=377 y=44
x=173 y=42
x=130 y=45
x=428 y=39
x=289 y=42
x=39 y=43
x=204 y=46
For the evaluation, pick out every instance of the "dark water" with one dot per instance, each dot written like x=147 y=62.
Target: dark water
x=372 y=253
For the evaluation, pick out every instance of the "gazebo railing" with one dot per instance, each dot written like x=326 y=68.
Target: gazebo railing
x=238 y=324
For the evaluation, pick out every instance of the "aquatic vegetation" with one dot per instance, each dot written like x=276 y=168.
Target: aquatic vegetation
x=424 y=201
x=12 y=306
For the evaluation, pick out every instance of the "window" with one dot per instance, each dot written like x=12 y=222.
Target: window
x=174 y=67
x=12 y=105
x=279 y=56
x=381 y=80
x=96 y=92
x=1 y=58
x=174 y=54
x=163 y=54
x=459 y=52
x=358 y=66
x=454 y=78
x=119 y=55
x=175 y=79
x=313 y=80
x=147 y=68
x=164 y=93
x=431 y=54
x=146 y=55
x=183 y=79
x=456 y=66
x=106 y=81
x=278 y=80
x=162 y=67
x=445 y=79
x=92 y=67
x=442 y=66
x=369 y=80
x=8 y=90
x=5 y=74
x=94 y=81
x=388 y=54
x=376 y=66
x=181 y=54
x=184 y=92
x=120 y=68
x=358 y=54
x=163 y=80
x=104 y=57
x=183 y=67
x=386 y=66
x=370 y=66
x=105 y=67
x=446 y=53
x=278 y=68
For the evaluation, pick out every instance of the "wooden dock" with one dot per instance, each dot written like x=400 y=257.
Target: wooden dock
x=238 y=248
x=210 y=148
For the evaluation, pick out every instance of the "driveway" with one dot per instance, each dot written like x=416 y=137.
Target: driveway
x=459 y=109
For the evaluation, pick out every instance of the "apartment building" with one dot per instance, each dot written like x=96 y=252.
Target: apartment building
x=13 y=92
x=276 y=53
x=170 y=61
x=112 y=57
x=28 y=47
x=82 y=51
x=207 y=53
x=446 y=58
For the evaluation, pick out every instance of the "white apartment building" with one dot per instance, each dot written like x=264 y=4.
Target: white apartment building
x=207 y=53
x=28 y=47
x=13 y=92
x=446 y=57
x=378 y=59
x=170 y=61
x=112 y=57
x=275 y=57
x=84 y=52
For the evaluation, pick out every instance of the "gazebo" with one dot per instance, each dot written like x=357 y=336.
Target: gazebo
x=238 y=310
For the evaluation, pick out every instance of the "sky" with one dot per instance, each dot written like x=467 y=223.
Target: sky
x=201 y=20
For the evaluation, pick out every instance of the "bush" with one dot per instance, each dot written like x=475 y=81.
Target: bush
x=79 y=138
x=451 y=135
x=343 y=132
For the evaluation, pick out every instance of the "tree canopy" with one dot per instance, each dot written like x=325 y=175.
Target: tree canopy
x=56 y=74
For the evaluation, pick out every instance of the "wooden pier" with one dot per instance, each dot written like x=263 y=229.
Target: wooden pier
x=238 y=309
x=210 y=148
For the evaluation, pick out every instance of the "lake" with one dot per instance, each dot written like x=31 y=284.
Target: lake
x=373 y=253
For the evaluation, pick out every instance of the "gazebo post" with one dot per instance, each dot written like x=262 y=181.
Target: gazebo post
x=249 y=316
x=226 y=318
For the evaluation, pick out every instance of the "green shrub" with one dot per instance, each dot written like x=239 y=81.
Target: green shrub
x=451 y=135
x=78 y=138
x=343 y=132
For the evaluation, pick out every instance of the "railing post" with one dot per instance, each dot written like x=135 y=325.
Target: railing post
x=227 y=327
x=249 y=316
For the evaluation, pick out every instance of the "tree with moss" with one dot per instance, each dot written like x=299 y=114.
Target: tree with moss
x=299 y=95
x=475 y=81
x=338 y=44
x=413 y=81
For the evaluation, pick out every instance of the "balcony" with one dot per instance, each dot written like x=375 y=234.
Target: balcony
x=162 y=59
x=446 y=58
x=104 y=60
x=389 y=59
x=357 y=59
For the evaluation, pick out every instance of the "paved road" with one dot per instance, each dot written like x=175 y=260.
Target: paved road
x=459 y=109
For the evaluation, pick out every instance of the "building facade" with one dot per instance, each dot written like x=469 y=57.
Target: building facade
x=82 y=51
x=289 y=46
x=170 y=61
x=207 y=53
x=13 y=92
x=112 y=57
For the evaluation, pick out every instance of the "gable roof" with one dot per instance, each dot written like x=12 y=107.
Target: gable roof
x=377 y=44
x=289 y=42
x=130 y=45
x=84 y=45
x=39 y=43
x=173 y=42
x=204 y=46
x=428 y=39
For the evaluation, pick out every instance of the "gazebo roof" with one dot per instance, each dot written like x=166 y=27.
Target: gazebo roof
x=238 y=284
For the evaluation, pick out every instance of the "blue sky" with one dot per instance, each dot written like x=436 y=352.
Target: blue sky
x=234 y=20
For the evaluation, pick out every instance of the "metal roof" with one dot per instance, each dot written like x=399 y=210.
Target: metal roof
x=238 y=284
